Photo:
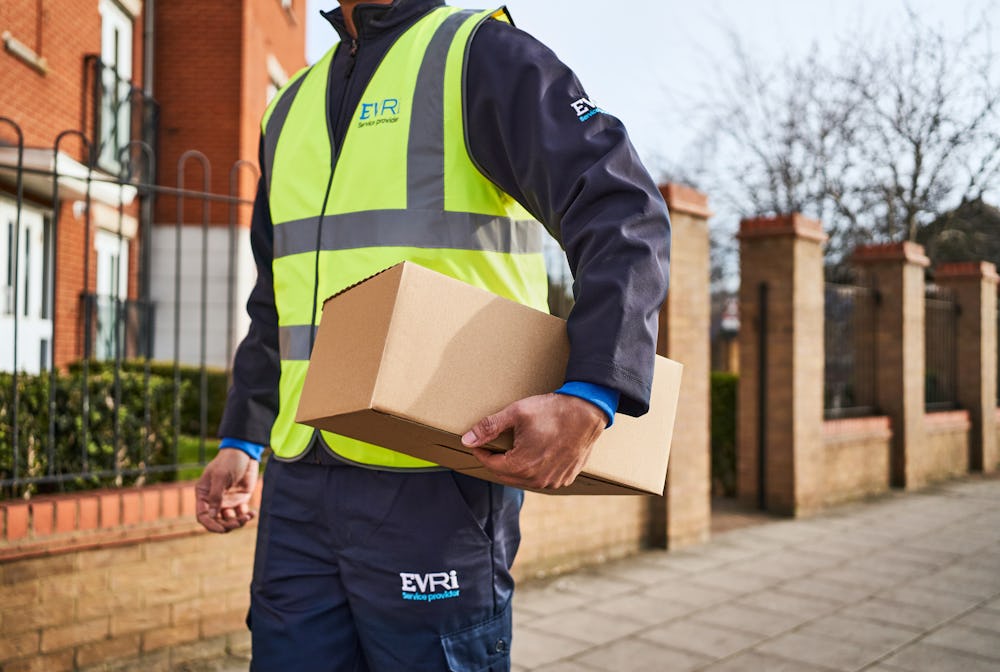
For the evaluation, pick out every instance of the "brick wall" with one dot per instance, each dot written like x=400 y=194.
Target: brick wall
x=98 y=577
x=211 y=78
x=62 y=34
x=854 y=461
x=562 y=533
x=110 y=575
x=945 y=450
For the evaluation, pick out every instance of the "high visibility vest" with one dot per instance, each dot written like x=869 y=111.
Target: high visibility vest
x=402 y=186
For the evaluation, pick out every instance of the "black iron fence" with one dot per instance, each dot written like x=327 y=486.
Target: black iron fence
x=140 y=396
x=107 y=413
x=941 y=348
x=850 y=351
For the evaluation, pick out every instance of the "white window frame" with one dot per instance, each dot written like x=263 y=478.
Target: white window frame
x=116 y=55
x=111 y=260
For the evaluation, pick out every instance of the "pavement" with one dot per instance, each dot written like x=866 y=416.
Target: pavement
x=909 y=582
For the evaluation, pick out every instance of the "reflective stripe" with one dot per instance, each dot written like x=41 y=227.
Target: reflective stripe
x=274 y=125
x=409 y=228
x=295 y=343
x=425 y=154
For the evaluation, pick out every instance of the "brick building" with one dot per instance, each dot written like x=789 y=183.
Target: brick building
x=138 y=83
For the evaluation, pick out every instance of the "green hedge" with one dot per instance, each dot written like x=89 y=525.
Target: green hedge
x=724 y=386
x=217 y=384
x=138 y=445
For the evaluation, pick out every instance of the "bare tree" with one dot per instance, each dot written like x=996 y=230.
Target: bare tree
x=877 y=142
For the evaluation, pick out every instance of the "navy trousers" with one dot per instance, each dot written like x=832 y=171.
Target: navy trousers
x=364 y=570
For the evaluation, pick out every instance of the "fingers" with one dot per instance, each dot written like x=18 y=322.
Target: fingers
x=491 y=427
x=210 y=512
x=507 y=470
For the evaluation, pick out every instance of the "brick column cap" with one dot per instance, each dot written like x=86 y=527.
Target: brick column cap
x=895 y=252
x=795 y=224
x=681 y=198
x=967 y=270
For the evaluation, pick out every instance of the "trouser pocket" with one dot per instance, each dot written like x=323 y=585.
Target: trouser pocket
x=484 y=647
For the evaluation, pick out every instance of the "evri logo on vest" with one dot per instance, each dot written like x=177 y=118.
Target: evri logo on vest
x=378 y=112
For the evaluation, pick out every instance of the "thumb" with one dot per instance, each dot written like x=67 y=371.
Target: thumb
x=490 y=427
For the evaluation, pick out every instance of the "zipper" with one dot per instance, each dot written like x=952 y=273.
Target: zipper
x=334 y=155
x=338 y=120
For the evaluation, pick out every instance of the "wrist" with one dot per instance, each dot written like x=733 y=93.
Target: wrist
x=254 y=450
x=603 y=398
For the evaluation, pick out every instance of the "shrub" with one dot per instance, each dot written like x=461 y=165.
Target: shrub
x=87 y=444
x=190 y=376
x=724 y=386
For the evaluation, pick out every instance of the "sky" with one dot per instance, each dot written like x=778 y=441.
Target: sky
x=648 y=61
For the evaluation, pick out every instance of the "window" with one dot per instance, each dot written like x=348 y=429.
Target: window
x=116 y=83
x=111 y=292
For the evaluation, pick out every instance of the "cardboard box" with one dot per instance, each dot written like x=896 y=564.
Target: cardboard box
x=411 y=359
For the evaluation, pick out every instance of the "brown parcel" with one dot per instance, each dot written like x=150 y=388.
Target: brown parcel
x=411 y=359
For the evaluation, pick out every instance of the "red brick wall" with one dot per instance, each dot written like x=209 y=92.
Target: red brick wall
x=196 y=79
x=211 y=80
x=45 y=105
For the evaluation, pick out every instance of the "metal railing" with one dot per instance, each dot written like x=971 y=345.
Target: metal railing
x=94 y=409
x=941 y=349
x=850 y=324
x=134 y=381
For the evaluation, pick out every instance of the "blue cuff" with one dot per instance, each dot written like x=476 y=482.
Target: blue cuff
x=254 y=450
x=604 y=398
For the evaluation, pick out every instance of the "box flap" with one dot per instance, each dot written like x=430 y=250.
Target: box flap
x=347 y=357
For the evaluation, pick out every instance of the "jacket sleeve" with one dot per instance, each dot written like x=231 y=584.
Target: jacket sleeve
x=252 y=404
x=534 y=132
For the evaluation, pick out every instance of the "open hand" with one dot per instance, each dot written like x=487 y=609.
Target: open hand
x=553 y=437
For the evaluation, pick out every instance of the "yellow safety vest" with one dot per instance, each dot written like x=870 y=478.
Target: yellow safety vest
x=401 y=187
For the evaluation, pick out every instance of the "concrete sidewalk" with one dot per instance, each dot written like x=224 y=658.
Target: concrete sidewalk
x=910 y=582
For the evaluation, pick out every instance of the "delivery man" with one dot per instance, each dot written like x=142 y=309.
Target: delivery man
x=428 y=134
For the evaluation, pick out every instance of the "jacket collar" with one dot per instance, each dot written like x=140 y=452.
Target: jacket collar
x=373 y=20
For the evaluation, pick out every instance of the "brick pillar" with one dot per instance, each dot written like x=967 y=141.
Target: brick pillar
x=781 y=265
x=684 y=515
x=975 y=288
x=896 y=271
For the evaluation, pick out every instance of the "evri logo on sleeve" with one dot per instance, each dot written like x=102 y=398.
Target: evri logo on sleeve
x=585 y=108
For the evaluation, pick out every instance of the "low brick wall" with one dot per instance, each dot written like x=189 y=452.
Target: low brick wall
x=129 y=576
x=118 y=575
x=854 y=461
x=944 y=452
x=562 y=533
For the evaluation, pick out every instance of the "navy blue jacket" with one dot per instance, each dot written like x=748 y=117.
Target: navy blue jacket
x=575 y=170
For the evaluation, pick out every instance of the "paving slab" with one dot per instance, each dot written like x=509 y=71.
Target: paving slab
x=759 y=662
x=643 y=608
x=639 y=656
x=968 y=640
x=924 y=657
x=588 y=625
x=806 y=608
x=822 y=651
x=711 y=641
x=749 y=619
